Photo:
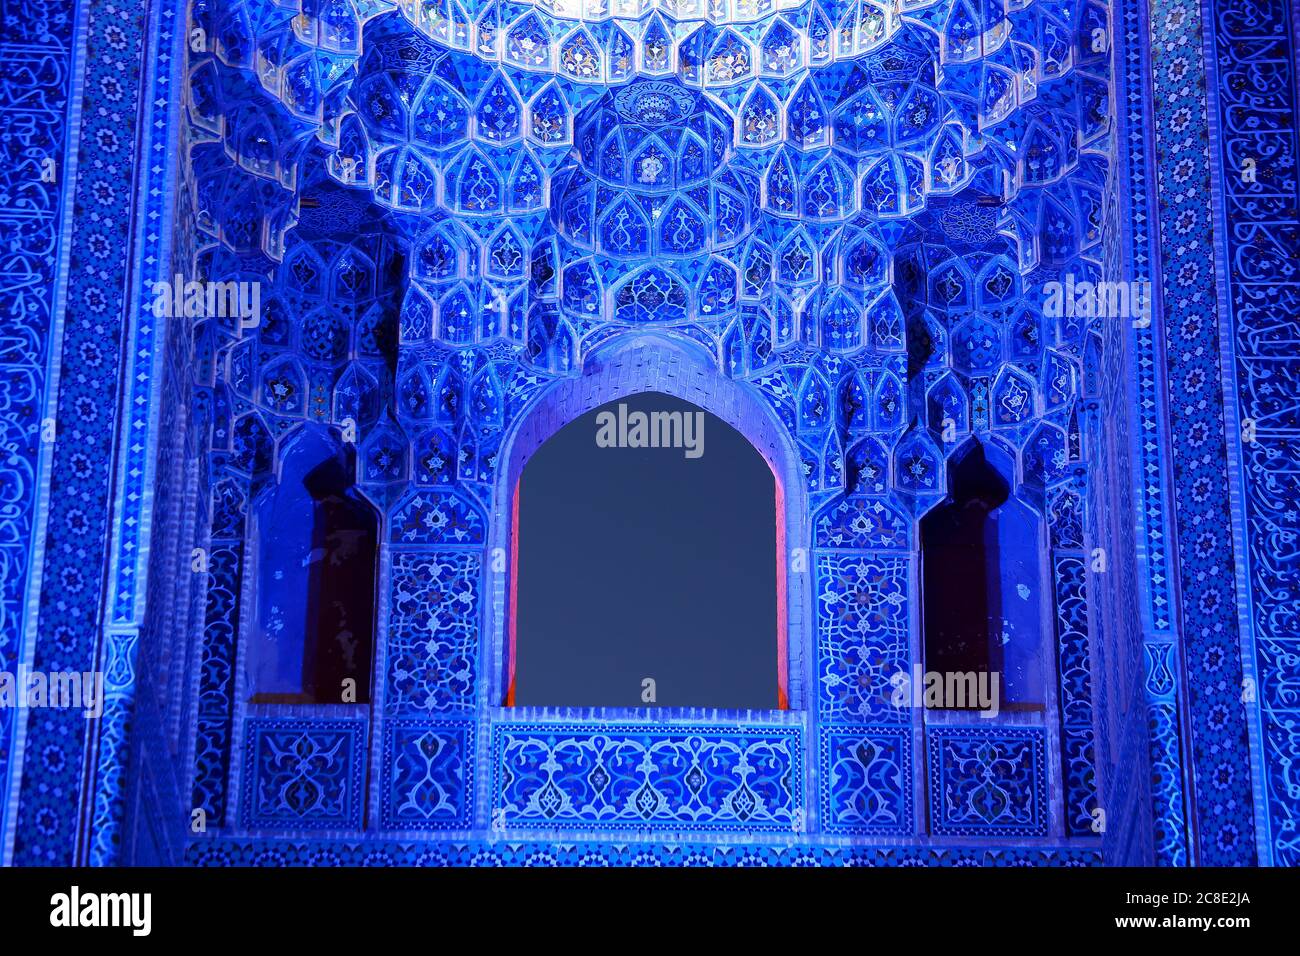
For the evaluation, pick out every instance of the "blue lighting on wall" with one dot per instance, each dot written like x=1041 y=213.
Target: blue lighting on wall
x=1018 y=351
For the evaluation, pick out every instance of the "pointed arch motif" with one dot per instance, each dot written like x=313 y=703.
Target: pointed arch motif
x=982 y=586
x=315 y=538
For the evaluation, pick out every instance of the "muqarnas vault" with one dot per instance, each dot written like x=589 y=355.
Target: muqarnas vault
x=1002 y=292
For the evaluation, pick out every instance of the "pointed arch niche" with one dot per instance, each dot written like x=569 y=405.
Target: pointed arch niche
x=315 y=548
x=983 y=592
x=633 y=365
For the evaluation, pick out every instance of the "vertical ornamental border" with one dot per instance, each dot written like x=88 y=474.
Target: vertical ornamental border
x=1254 y=120
x=1148 y=400
x=1224 y=768
x=43 y=56
x=68 y=637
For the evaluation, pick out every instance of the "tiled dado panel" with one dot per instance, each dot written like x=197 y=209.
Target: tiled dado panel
x=428 y=771
x=643 y=777
x=987 y=781
x=866 y=780
x=303 y=773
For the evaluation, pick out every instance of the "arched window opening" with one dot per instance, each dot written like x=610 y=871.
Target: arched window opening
x=646 y=564
x=982 y=589
x=316 y=543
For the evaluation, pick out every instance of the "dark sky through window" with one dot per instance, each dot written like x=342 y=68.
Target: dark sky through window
x=646 y=562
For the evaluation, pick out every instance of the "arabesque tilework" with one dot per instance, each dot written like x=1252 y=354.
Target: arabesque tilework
x=835 y=225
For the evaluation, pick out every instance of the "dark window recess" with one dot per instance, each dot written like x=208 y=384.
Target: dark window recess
x=981 y=583
x=316 y=552
x=644 y=564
